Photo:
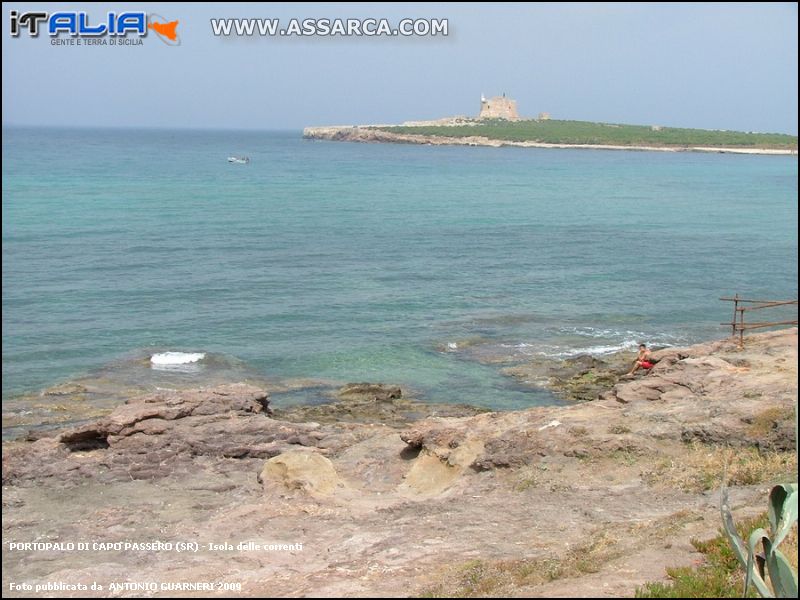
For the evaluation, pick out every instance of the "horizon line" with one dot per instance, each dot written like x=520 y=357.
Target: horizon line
x=6 y=125
x=144 y=127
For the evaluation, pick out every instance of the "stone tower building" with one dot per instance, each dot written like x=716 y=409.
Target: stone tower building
x=498 y=107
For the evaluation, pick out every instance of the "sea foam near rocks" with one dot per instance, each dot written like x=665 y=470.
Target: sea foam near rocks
x=175 y=360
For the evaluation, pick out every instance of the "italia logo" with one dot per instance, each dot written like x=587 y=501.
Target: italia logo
x=78 y=25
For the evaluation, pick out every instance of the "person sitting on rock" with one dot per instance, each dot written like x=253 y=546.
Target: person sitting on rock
x=643 y=361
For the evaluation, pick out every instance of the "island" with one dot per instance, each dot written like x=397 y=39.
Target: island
x=498 y=124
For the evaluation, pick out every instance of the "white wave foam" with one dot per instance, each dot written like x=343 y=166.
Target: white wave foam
x=599 y=342
x=598 y=350
x=556 y=351
x=597 y=332
x=654 y=337
x=163 y=359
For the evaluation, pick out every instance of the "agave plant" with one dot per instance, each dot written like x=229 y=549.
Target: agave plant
x=782 y=516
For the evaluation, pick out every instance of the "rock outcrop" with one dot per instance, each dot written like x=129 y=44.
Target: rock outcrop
x=156 y=435
x=373 y=403
x=385 y=511
x=296 y=470
x=580 y=378
x=709 y=393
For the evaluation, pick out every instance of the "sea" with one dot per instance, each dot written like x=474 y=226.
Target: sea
x=319 y=263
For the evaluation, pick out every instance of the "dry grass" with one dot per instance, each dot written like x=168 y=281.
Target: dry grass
x=626 y=457
x=619 y=429
x=533 y=476
x=701 y=468
x=528 y=479
x=768 y=419
x=665 y=527
x=483 y=578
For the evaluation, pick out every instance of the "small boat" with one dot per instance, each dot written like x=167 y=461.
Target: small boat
x=239 y=160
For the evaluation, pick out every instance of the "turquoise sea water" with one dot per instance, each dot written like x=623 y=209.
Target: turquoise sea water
x=390 y=263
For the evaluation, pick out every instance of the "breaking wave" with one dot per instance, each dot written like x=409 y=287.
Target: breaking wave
x=172 y=359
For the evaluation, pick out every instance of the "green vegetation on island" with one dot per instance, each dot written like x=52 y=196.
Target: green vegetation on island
x=586 y=132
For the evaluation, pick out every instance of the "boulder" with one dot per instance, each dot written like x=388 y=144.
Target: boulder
x=301 y=470
x=377 y=392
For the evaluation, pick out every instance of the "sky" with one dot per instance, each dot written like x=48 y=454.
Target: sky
x=712 y=66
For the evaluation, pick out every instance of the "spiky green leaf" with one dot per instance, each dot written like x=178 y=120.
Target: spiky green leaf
x=737 y=543
x=752 y=575
x=781 y=574
x=782 y=510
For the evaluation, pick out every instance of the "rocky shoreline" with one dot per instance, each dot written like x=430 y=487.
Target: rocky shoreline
x=376 y=494
x=369 y=134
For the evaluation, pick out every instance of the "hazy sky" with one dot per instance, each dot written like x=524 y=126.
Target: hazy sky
x=717 y=66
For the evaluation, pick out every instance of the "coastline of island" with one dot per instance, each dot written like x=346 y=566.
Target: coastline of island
x=500 y=126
